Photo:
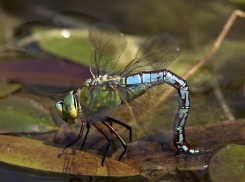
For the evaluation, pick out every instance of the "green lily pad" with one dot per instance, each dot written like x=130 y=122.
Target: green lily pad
x=24 y=115
x=77 y=47
x=7 y=88
x=36 y=155
x=70 y=44
x=228 y=164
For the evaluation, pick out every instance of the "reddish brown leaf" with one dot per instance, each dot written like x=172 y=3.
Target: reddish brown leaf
x=45 y=72
x=158 y=153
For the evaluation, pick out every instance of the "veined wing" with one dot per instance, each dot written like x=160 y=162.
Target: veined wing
x=156 y=53
x=109 y=43
x=150 y=118
x=156 y=109
x=153 y=115
x=103 y=99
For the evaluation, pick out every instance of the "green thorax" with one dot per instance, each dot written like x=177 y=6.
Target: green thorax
x=102 y=92
x=98 y=93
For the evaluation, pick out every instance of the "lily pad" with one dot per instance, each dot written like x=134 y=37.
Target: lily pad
x=24 y=115
x=7 y=88
x=36 y=155
x=45 y=73
x=74 y=45
x=71 y=44
x=228 y=164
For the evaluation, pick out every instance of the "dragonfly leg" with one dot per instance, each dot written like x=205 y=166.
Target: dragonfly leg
x=123 y=124
x=108 y=139
x=85 y=138
x=184 y=105
x=125 y=146
x=78 y=137
x=110 y=123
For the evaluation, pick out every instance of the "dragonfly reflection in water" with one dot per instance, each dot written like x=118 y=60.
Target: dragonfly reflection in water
x=103 y=93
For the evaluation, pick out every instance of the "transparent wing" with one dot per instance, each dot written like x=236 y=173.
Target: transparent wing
x=150 y=115
x=156 y=53
x=154 y=114
x=109 y=43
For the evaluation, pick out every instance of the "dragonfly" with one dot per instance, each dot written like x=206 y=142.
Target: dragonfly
x=104 y=92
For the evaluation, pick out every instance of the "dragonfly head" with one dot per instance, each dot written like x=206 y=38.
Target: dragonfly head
x=69 y=108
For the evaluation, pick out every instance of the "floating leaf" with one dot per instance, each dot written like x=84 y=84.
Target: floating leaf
x=44 y=99
x=7 y=88
x=36 y=155
x=74 y=45
x=20 y=114
x=228 y=164
x=45 y=72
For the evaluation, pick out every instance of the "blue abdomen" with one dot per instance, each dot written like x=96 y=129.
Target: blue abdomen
x=146 y=77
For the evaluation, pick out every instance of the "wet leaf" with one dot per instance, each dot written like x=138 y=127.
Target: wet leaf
x=36 y=155
x=47 y=102
x=74 y=45
x=24 y=115
x=156 y=153
x=8 y=88
x=70 y=44
x=45 y=72
x=228 y=164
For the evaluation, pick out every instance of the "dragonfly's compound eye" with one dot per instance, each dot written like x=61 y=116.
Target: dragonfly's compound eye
x=68 y=108
x=59 y=108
